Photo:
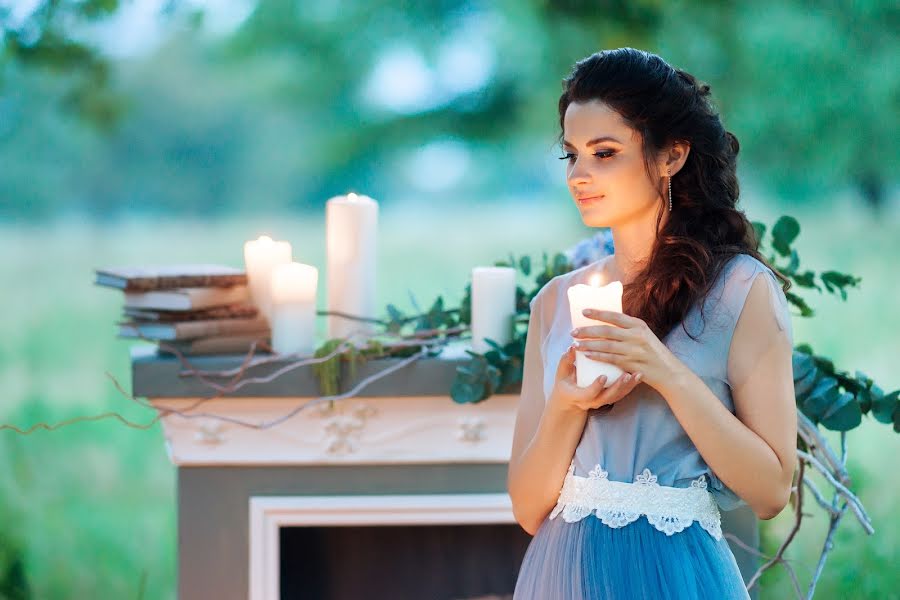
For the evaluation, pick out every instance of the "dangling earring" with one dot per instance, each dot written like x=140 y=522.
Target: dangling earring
x=669 y=175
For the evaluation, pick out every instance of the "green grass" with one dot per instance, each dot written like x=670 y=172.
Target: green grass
x=92 y=506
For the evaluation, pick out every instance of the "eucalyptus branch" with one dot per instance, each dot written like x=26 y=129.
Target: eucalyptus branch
x=779 y=555
x=826 y=548
x=820 y=499
x=781 y=560
x=854 y=502
x=817 y=444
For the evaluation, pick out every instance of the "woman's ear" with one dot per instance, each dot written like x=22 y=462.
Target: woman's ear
x=676 y=156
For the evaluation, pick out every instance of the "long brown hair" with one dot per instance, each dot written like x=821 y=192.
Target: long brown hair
x=704 y=229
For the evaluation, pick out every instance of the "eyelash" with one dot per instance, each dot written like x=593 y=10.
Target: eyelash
x=602 y=155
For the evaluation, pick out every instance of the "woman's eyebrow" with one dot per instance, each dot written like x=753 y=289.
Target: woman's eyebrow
x=594 y=141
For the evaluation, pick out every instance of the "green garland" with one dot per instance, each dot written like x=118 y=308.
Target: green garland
x=831 y=397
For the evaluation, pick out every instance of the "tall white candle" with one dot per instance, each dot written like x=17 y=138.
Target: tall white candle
x=607 y=297
x=493 y=306
x=350 y=236
x=261 y=256
x=294 y=308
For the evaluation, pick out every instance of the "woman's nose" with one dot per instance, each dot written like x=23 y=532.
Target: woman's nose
x=578 y=173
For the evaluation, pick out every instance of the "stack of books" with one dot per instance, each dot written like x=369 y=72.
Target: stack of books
x=191 y=308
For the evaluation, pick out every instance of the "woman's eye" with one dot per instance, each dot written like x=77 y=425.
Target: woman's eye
x=603 y=154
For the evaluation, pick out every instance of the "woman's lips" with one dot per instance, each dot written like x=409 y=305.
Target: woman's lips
x=589 y=199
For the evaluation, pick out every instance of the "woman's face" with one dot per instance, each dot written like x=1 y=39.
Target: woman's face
x=605 y=167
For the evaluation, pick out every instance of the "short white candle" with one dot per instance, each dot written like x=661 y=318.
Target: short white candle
x=493 y=306
x=294 y=308
x=261 y=256
x=607 y=297
x=350 y=236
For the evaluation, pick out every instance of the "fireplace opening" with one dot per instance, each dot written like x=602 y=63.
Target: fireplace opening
x=398 y=562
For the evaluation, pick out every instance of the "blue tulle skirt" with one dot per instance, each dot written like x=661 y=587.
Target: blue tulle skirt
x=587 y=560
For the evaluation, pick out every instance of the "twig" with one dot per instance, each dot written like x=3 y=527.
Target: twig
x=352 y=392
x=798 y=517
x=817 y=444
x=784 y=562
x=818 y=496
x=855 y=504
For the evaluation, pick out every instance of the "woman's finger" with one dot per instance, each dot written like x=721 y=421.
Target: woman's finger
x=619 y=389
x=566 y=364
x=599 y=345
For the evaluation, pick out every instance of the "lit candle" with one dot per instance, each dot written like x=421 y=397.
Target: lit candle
x=493 y=306
x=607 y=297
x=350 y=228
x=293 y=318
x=261 y=256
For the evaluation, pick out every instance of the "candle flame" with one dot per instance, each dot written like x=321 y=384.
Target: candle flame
x=265 y=239
x=594 y=280
x=352 y=197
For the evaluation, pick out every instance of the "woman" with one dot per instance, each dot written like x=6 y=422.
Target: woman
x=622 y=484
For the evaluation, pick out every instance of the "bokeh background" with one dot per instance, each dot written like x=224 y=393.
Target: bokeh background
x=158 y=131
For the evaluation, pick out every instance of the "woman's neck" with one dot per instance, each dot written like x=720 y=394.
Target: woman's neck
x=633 y=244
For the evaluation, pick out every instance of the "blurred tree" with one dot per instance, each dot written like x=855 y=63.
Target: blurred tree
x=41 y=36
x=303 y=100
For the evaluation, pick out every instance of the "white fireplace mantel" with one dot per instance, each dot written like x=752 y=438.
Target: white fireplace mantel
x=365 y=430
x=269 y=514
x=401 y=452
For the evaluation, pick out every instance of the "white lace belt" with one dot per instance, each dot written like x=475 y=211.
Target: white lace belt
x=618 y=503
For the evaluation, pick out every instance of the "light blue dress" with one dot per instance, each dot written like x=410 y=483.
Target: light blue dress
x=587 y=558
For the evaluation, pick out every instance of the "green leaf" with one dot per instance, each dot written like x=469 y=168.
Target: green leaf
x=805 y=310
x=525 y=265
x=824 y=394
x=394 y=313
x=494 y=376
x=784 y=232
x=883 y=406
x=791 y=268
x=843 y=415
x=835 y=280
x=802 y=364
x=805 y=384
x=806 y=279
x=560 y=264
x=465 y=392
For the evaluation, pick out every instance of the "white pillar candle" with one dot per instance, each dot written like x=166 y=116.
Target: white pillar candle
x=261 y=256
x=350 y=236
x=493 y=306
x=607 y=297
x=294 y=308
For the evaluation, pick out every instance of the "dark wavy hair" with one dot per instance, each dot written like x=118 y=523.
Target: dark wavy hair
x=705 y=228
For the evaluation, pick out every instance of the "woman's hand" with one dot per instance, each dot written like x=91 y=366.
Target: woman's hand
x=568 y=397
x=628 y=343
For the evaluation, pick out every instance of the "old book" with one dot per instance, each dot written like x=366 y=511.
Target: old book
x=230 y=344
x=163 y=277
x=188 y=298
x=230 y=311
x=193 y=329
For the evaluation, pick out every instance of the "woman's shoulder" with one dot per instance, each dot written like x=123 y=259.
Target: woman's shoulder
x=741 y=269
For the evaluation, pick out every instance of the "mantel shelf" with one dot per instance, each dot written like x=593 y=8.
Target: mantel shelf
x=155 y=375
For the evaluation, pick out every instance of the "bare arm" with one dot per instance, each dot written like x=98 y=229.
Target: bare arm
x=543 y=441
x=536 y=476
x=547 y=431
x=754 y=450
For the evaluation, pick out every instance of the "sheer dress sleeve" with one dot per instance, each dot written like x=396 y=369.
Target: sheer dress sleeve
x=762 y=341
